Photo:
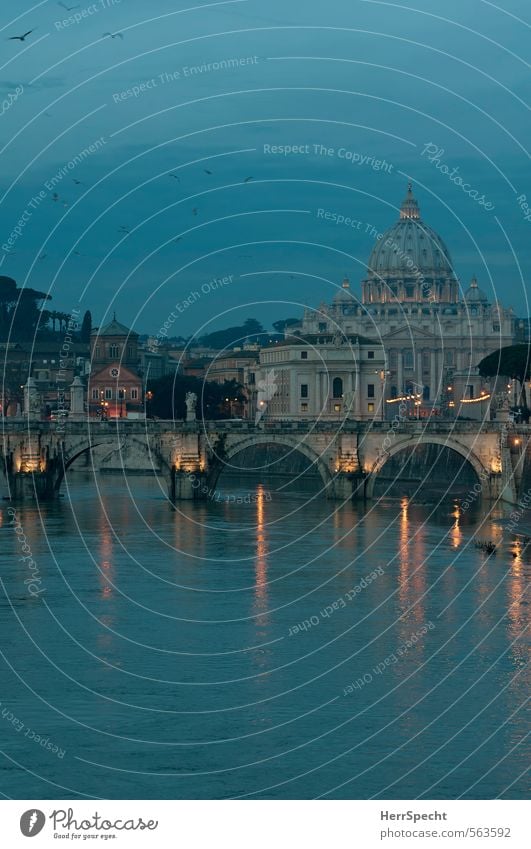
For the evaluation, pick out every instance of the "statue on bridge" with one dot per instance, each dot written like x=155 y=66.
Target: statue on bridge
x=191 y=401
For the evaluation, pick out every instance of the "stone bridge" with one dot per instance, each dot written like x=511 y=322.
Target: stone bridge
x=350 y=457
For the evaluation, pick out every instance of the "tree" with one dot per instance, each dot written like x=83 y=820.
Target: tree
x=86 y=327
x=231 y=336
x=513 y=362
x=8 y=299
x=280 y=326
x=169 y=393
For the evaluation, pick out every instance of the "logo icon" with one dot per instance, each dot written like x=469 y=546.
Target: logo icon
x=32 y=822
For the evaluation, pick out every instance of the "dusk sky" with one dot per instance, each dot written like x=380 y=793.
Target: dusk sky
x=137 y=224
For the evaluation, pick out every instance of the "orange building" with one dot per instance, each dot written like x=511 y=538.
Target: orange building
x=115 y=385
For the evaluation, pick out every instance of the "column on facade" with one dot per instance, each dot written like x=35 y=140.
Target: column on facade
x=419 y=378
x=357 y=390
x=400 y=371
x=315 y=393
x=434 y=378
x=294 y=403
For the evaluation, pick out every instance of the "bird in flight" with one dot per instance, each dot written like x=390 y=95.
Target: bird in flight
x=247 y=179
x=43 y=256
x=175 y=177
x=56 y=198
x=68 y=8
x=113 y=35
x=123 y=229
x=207 y=171
x=77 y=182
x=195 y=210
x=20 y=37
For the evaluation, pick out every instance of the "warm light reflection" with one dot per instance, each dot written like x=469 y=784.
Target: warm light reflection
x=412 y=568
x=517 y=621
x=106 y=570
x=456 y=535
x=261 y=549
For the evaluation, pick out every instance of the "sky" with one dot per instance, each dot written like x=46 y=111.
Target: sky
x=201 y=158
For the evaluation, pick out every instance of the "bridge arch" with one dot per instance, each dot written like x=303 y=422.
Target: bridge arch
x=218 y=464
x=72 y=453
x=482 y=474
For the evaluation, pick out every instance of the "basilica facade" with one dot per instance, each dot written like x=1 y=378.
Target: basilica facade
x=426 y=332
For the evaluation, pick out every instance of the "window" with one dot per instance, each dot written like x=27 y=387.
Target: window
x=97 y=351
x=304 y=355
x=370 y=355
x=108 y=394
x=470 y=391
x=370 y=408
x=449 y=358
x=370 y=390
x=426 y=393
x=337 y=408
x=304 y=390
x=134 y=394
x=304 y=408
x=337 y=387
x=129 y=351
x=114 y=351
x=394 y=392
x=95 y=395
x=496 y=328
x=408 y=359
x=322 y=327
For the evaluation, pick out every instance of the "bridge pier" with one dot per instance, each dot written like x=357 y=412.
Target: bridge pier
x=27 y=486
x=187 y=486
x=348 y=486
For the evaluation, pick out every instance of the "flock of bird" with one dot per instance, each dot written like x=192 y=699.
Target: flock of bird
x=24 y=36
x=55 y=196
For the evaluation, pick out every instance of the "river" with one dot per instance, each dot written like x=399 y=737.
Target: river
x=262 y=644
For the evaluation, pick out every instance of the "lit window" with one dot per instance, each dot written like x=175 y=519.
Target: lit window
x=304 y=408
x=337 y=408
x=370 y=408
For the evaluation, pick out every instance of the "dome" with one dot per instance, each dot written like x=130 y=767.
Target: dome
x=475 y=295
x=410 y=248
x=344 y=295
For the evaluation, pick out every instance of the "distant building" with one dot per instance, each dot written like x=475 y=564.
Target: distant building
x=115 y=385
x=320 y=375
x=432 y=336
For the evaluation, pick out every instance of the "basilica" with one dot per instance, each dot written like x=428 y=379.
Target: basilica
x=423 y=334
